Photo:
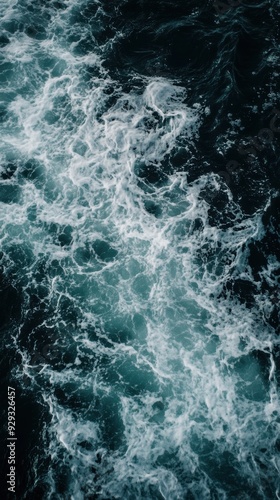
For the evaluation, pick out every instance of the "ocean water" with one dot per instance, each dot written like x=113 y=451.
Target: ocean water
x=139 y=239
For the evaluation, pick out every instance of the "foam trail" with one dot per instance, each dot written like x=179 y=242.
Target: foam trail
x=156 y=381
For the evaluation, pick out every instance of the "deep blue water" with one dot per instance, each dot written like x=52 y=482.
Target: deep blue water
x=139 y=248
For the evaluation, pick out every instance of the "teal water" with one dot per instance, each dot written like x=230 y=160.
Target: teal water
x=152 y=382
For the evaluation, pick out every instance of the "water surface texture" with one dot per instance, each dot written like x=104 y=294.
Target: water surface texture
x=139 y=238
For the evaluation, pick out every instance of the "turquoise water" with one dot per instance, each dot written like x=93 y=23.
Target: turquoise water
x=152 y=382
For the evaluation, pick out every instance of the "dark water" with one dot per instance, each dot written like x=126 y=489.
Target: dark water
x=139 y=264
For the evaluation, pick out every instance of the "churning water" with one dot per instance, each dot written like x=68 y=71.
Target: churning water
x=139 y=269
